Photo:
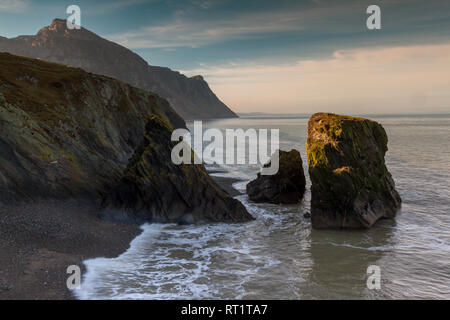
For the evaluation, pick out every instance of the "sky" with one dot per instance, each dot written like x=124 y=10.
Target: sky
x=278 y=56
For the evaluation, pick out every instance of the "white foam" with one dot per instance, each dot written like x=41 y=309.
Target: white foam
x=178 y=262
x=273 y=257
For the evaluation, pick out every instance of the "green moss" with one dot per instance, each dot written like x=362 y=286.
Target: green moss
x=346 y=156
x=316 y=153
x=42 y=97
x=124 y=104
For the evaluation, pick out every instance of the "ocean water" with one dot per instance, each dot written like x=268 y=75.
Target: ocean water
x=279 y=256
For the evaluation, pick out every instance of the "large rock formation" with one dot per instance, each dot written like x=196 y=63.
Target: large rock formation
x=154 y=189
x=351 y=186
x=190 y=97
x=66 y=133
x=286 y=186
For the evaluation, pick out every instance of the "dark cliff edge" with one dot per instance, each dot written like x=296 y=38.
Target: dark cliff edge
x=190 y=97
x=69 y=134
x=154 y=189
x=66 y=133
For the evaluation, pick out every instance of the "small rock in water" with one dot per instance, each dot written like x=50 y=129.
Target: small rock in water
x=286 y=186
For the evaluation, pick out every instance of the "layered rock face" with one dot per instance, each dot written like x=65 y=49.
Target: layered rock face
x=66 y=133
x=351 y=186
x=152 y=188
x=286 y=186
x=190 y=97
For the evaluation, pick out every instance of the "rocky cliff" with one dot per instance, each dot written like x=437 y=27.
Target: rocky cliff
x=66 y=133
x=182 y=193
x=351 y=186
x=190 y=97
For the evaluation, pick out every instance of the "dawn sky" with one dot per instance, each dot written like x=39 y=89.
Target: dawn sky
x=278 y=56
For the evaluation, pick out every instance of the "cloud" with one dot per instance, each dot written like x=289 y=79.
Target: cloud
x=202 y=22
x=376 y=80
x=13 y=5
x=187 y=30
x=110 y=6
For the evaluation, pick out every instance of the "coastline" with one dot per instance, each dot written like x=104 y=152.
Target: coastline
x=39 y=240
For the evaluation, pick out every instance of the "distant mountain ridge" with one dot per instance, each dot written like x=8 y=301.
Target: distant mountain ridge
x=190 y=97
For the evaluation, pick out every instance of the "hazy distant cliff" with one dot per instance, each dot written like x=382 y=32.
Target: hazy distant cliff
x=190 y=97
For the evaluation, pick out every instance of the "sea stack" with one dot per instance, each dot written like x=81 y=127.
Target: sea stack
x=351 y=186
x=286 y=186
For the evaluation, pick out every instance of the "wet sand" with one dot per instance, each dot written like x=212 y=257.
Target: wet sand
x=38 y=241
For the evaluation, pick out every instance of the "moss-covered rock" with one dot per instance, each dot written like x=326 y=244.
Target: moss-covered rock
x=67 y=133
x=286 y=186
x=351 y=186
x=152 y=188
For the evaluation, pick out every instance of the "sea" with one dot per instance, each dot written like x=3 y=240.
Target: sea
x=279 y=255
